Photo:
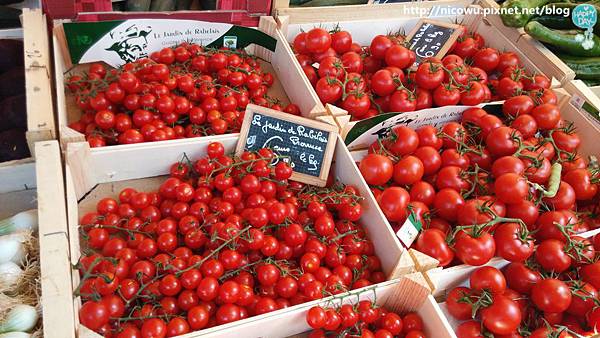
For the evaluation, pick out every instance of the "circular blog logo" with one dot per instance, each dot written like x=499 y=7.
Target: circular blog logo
x=584 y=16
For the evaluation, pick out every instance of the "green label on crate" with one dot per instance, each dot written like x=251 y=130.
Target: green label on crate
x=119 y=42
x=367 y=131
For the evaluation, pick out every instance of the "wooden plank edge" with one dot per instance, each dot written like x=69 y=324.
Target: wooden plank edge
x=38 y=78
x=422 y=261
x=55 y=264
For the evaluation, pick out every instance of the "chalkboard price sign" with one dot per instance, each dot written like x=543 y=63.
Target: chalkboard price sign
x=306 y=144
x=432 y=38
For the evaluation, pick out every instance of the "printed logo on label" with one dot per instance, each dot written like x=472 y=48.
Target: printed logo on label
x=230 y=41
x=130 y=44
x=577 y=101
x=409 y=231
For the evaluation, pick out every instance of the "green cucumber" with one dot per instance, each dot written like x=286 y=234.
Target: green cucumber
x=562 y=40
x=585 y=68
x=516 y=12
x=591 y=83
x=555 y=21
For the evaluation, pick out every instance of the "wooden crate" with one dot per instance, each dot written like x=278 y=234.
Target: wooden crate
x=548 y=63
x=95 y=173
x=40 y=185
x=290 y=85
x=370 y=20
x=38 y=91
x=588 y=131
x=407 y=294
x=282 y=8
x=445 y=280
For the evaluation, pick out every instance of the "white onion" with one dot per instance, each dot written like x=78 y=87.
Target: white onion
x=9 y=274
x=20 y=318
x=15 y=335
x=12 y=248
x=23 y=221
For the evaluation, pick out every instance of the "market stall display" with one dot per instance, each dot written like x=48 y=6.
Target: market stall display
x=373 y=170
x=336 y=85
x=398 y=308
x=209 y=88
x=488 y=217
x=85 y=169
x=401 y=80
x=531 y=296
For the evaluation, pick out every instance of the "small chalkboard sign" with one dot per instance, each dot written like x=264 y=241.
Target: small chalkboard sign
x=431 y=38
x=308 y=144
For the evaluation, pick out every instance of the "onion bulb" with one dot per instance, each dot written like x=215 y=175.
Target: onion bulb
x=23 y=221
x=15 y=335
x=12 y=248
x=9 y=274
x=20 y=318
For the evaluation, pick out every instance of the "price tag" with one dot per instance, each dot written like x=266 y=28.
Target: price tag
x=577 y=101
x=409 y=231
x=307 y=145
x=431 y=38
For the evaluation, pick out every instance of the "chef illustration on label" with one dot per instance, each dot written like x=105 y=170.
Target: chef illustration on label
x=130 y=44
x=388 y=125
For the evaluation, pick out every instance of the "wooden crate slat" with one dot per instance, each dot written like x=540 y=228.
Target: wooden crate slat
x=38 y=89
x=54 y=245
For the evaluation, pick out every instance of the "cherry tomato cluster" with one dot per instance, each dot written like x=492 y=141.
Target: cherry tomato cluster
x=490 y=187
x=184 y=91
x=528 y=300
x=378 y=78
x=365 y=319
x=222 y=239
